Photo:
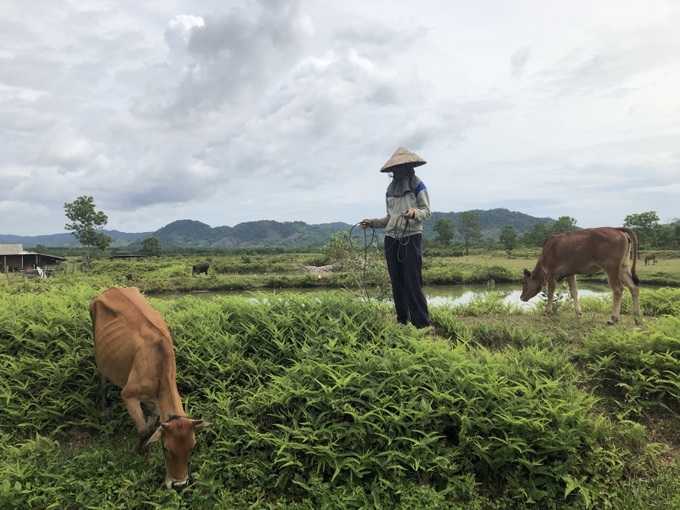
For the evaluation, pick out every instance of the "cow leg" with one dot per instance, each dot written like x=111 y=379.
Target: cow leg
x=573 y=290
x=134 y=408
x=634 y=294
x=152 y=415
x=552 y=283
x=617 y=290
x=145 y=427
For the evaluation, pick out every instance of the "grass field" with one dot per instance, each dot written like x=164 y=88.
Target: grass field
x=354 y=270
x=321 y=401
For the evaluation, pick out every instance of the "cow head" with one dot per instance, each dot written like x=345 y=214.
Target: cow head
x=531 y=284
x=178 y=440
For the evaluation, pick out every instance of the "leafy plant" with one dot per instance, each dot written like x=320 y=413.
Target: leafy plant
x=323 y=401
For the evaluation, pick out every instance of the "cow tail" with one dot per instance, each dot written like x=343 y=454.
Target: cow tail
x=633 y=239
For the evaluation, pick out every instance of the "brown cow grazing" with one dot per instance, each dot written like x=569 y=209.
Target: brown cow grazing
x=200 y=268
x=650 y=256
x=133 y=349
x=587 y=251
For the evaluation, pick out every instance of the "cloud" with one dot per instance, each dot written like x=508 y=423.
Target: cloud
x=286 y=110
x=235 y=56
x=612 y=60
x=518 y=61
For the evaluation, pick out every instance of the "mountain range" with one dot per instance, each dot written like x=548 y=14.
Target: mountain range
x=268 y=233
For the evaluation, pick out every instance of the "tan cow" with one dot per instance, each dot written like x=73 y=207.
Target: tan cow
x=587 y=251
x=133 y=349
x=650 y=256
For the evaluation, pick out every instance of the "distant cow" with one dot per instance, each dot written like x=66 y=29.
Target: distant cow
x=200 y=268
x=133 y=349
x=587 y=252
x=650 y=256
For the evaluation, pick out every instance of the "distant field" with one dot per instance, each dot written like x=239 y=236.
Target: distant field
x=665 y=273
x=309 y=270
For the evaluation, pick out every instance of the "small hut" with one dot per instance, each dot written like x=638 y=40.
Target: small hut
x=13 y=258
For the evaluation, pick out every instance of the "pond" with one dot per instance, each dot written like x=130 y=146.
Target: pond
x=438 y=295
x=463 y=294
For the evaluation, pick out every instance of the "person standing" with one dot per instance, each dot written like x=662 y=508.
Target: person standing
x=408 y=206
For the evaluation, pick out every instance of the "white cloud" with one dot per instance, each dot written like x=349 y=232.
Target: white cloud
x=236 y=111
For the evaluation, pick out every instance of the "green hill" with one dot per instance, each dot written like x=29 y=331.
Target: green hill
x=273 y=234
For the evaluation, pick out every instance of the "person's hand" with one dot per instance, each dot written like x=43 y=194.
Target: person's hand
x=410 y=214
x=366 y=223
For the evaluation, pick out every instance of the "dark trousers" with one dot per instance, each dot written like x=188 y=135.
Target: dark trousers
x=405 y=266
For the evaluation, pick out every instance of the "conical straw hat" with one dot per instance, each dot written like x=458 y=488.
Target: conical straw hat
x=403 y=156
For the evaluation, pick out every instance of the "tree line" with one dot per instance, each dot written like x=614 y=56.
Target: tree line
x=87 y=224
x=651 y=233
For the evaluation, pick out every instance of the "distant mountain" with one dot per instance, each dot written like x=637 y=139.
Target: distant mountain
x=194 y=234
x=267 y=233
x=66 y=240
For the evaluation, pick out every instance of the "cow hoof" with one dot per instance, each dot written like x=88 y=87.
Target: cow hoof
x=611 y=322
x=142 y=439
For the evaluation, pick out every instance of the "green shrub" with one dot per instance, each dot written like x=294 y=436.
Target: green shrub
x=323 y=401
x=442 y=275
x=641 y=368
x=496 y=274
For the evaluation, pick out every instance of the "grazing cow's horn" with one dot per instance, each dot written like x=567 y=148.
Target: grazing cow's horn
x=173 y=417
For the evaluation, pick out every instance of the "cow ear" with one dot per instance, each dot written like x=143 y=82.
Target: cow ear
x=527 y=273
x=200 y=424
x=154 y=437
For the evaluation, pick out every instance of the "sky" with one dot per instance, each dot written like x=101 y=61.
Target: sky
x=229 y=111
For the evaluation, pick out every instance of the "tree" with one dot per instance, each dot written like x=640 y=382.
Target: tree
x=151 y=246
x=338 y=249
x=364 y=263
x=444 y=229
x=675 y=236
x=87 y=224
x=508 y=237
x=674 y=226
x=668 y=236
x=536 y=235
x=645 y=224
x=563 y=224
x=469 y=228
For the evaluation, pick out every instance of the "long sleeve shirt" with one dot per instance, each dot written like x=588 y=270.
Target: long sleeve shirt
x=394 y=223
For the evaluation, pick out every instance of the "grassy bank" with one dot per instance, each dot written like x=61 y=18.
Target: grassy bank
x=321 y=402
x=353 y=270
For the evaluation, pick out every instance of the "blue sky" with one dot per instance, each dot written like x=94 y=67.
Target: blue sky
x=231 y=111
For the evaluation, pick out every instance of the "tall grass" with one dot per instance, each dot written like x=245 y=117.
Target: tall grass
x=322 y=401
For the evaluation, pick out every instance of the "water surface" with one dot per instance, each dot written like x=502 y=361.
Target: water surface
x=437 y=295
x=463 y=294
